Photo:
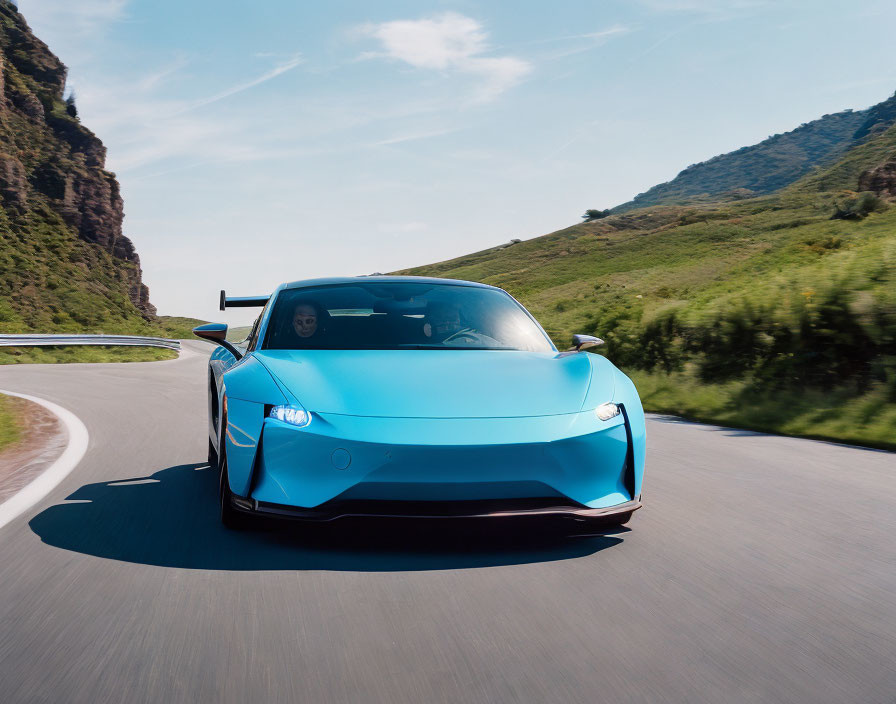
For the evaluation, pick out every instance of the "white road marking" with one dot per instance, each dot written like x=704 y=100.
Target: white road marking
x=47 y=480
x=185 y=353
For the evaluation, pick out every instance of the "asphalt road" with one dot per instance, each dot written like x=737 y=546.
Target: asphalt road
x=762 y=569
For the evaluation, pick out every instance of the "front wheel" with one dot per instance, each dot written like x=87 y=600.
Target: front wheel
x=230 y=517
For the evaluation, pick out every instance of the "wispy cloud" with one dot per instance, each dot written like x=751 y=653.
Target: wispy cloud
x=147 y=126
x=451 y=43
x=580 y=43
x=151 y=133
x=289 y=65
x=414 y=136
x=599 y=35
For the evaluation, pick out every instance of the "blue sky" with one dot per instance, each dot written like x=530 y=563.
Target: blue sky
x=263 y=142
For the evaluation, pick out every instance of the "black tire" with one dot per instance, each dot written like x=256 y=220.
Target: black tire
x=230 y=517
x=212 y=455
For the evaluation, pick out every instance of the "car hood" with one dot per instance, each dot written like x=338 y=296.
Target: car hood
x=438 y=383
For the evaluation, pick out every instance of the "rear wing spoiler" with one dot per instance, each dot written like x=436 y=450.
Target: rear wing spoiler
x=242 y=301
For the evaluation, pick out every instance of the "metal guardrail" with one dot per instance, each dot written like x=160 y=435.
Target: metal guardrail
x=35 y=340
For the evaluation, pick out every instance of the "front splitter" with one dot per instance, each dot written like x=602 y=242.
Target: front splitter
x=335 y=510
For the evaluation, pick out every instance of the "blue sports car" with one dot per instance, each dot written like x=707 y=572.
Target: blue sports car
x=408 y=396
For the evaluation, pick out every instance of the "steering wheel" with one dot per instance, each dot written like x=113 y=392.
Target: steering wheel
x=467 y=336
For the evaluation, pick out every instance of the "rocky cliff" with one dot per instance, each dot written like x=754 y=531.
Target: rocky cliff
x=64 y=261
x=880 y=180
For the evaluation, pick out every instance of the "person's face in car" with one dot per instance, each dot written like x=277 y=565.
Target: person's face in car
x=304 y=320
x=443 y=324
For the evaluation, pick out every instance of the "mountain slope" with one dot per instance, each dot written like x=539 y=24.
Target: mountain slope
x=854 y=169
x=64 y=262
x=773 y=163
x=764 y=313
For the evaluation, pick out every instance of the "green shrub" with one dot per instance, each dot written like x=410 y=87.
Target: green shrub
x=858 y=208
x=816 y=340
x=591 y=214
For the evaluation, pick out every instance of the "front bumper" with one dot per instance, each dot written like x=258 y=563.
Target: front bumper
x=534 y=508
x=348 y=465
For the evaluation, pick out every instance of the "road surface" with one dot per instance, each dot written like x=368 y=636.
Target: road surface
x=762 y=569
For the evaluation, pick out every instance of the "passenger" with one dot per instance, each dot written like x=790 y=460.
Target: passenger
x=442 y=321
x=307 y=319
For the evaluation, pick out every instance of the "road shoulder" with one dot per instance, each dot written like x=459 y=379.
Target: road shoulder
x=43 y=440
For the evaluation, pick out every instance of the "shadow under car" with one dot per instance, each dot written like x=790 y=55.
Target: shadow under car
x=170 y=519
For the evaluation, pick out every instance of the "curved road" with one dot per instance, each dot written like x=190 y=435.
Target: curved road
x=762 y=569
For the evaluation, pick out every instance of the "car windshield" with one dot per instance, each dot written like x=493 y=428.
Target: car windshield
x=390 y=316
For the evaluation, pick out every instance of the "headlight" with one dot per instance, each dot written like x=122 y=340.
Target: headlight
x=294 y=415
x=607 y=411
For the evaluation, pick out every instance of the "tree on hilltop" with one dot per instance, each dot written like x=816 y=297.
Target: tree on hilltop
x=591 y=215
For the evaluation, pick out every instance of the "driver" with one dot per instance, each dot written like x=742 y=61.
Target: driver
x=306 y=319
x=442 y=321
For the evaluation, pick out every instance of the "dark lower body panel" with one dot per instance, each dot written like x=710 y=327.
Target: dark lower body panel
x=519 y=508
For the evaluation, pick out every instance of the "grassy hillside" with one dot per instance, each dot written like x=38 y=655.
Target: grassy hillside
x=54 y=282
x=844 y=174
x=772 y=164
x=177 y=328
x=620 y=273
x=764 y=312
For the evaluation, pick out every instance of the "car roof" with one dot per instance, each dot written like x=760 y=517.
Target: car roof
x=377 y=278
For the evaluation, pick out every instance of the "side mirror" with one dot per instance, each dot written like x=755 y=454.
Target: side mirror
x=583 y=342
x=211 y=331
x=217 y=333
